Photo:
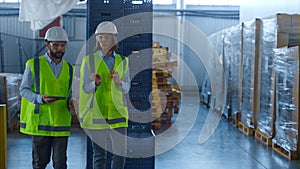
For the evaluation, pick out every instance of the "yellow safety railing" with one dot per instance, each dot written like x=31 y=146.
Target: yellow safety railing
x=3 y=136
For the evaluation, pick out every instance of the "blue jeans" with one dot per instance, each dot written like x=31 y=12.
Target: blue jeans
x=104 y=141
x=41 y=152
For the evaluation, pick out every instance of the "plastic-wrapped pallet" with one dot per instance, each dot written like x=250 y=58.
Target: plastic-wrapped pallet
x=280 y=30
x=265 y=111
x=227 y=44
x=249 y=69
x=287 y=122
x=10 y=95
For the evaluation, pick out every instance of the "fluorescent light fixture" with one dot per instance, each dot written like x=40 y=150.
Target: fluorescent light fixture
x=137 y=2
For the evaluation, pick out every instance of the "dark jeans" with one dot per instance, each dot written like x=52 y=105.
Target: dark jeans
x=106 y=141
x=41 y=152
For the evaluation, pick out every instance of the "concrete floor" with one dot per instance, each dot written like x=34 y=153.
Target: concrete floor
x=228 y=148
x=19 y=151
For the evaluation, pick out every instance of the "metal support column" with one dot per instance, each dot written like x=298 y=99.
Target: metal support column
x=3 y=142
x=131 y=19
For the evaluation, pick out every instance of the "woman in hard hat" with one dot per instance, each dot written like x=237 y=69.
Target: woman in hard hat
x=102 y=111
x=46 y=91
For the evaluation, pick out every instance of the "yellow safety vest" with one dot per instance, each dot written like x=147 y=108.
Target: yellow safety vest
x=53 y=119
x=103 y=108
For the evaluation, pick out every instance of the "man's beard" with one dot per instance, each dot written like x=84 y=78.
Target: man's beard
x=55 y=55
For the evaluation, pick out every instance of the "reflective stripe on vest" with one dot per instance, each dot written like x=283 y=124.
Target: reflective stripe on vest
x=49 y=128
x=37 y=82
x=106 y=121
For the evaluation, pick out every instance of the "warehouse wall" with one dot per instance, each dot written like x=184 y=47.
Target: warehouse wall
x=21 y=43
x=251 y=9
x=209 y=19
x=15 y=36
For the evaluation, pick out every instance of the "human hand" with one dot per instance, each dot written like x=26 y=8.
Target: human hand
x=116 y=78
x=47 y=99
x=97 y=78
x=72 y=105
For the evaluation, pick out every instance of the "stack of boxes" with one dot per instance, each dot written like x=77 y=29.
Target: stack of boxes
x=158 y=102
x=287 y=31
x=165 y=95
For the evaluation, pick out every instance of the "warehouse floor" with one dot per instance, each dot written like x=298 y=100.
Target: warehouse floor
x=228 y=148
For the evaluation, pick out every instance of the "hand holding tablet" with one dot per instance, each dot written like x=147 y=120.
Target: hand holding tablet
x=58 y=97
x=50 y=99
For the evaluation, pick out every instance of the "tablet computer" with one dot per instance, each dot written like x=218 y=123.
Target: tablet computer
x=58 y=97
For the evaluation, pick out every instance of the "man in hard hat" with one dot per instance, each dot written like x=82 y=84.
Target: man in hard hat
x=45 y=107
x=102 y=111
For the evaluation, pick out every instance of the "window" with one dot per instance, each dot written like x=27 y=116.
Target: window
x=10 y=1
x=212 y=2
x=200 y=2
x=162 y=2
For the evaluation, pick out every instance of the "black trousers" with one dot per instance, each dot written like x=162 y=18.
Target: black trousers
x=43 y=146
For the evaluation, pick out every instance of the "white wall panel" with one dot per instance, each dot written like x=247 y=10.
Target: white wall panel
x=206 y=24
x=251 y=9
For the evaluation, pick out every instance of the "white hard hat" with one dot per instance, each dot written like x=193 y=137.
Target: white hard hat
x=56 y=34
x=106 y=27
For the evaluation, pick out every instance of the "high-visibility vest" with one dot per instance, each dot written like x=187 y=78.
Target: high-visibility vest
x=105 y=107
x=51 y=119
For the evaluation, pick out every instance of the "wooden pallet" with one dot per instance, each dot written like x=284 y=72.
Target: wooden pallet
x=176 y=109
x=164 y=65
x=167 y=116
x=205 y=104
x=245 y=129
x=156 y=124
x=158 y=103
x=234 y=119
x=159 y=51
x=263 y=138
x=291 y=155
x=160 y=58
x=160 y=73
x=155 y=45
x=157 y=111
